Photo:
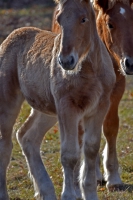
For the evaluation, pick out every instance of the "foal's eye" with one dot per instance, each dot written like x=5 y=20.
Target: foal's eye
x=84 y=20
x=110 y=26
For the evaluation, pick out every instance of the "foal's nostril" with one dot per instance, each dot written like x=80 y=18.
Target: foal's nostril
x=59 y=60
x=67 y=62
x=71 y=61
x=127 y=63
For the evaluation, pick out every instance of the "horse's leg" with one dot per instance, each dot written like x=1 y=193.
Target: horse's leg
x=78 y=164
x=70 y=150
x=76 y=179
x=30 y=137
x=88 y=169
x=91 y=144
x=110 y=129
x=8 y=113
x=98 y=172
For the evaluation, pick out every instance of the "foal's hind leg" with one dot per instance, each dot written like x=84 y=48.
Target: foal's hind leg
x=8 y=115
x=110 y=128
x=30 y=137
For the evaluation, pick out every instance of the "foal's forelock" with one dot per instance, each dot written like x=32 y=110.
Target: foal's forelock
x=60 y=1
x=113 y=2
x=63 y=1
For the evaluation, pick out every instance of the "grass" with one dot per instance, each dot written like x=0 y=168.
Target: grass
x=19 y=185
x=37 y=16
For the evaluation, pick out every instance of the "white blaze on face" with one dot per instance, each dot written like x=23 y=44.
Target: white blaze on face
x=122 y=11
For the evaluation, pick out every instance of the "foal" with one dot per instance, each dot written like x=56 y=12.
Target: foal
x=114 y=21
x=64 y=77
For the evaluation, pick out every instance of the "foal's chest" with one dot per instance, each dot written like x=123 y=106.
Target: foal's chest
x=80 y=95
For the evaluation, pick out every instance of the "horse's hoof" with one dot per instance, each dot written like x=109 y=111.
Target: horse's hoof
x=101 y=182
x=118 y=187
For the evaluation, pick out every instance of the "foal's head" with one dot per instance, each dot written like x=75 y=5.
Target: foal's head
x=74 y=19
x=115 y=26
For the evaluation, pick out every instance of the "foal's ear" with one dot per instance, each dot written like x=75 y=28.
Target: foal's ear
x=101 y=4
x=131 y=3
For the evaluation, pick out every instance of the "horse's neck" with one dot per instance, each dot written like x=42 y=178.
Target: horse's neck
x=116 y=65
x=91 y=65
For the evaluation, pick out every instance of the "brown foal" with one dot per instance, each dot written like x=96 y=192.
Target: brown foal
x=67 y=77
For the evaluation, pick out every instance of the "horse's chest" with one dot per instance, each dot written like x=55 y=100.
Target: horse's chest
x=42 y=105
x=82 y=99
x=86 y=103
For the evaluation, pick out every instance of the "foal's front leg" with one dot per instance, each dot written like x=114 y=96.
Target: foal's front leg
x=70 y=150
x=91 y=144
x=78 y=165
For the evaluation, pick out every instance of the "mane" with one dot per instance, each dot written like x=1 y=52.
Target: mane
x=60 y=1
x=111 y=3
x=63 y=1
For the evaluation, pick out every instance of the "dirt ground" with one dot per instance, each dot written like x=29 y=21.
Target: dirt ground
x=24 y=3
x=20 y=14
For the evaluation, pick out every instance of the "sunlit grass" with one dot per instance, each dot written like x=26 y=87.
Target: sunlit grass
x=31 y=11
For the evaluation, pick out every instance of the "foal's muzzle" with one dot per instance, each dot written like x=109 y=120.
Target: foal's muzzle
x=127 y=65
x=67 y=62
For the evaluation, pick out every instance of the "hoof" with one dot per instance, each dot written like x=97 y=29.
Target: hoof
x=119 y=187
x=101 y=182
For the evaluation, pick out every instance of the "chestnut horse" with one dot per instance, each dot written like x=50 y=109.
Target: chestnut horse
x=68 y=77
x=114 y=24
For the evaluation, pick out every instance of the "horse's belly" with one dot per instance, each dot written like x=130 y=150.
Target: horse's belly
x=41 y=104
